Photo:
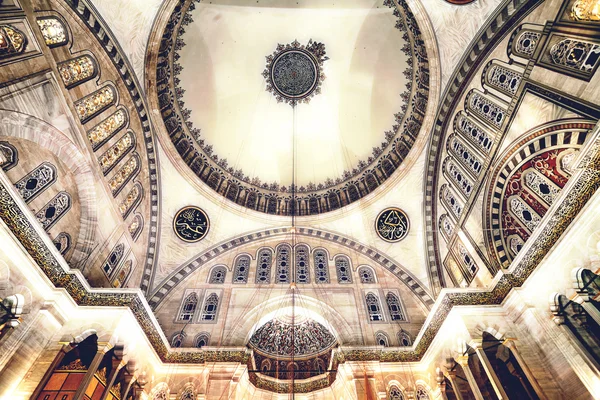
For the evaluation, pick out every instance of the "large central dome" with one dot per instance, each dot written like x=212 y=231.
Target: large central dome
x=234 y=77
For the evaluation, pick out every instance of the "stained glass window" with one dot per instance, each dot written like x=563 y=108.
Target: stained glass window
x=113 y=259
x=124 y=174
x=53 y=31
x=209 y=311
x=217 y=275
x=395 y=393
x=188 y=307
x=203 y=339
x=382 y=339
x=404 y=339
x=395 y=307
x=473 y=133
x=77 y=70
x=366 y=275
x=116 y=152
x=342 y=267
x=240 y=272
x=130 y=201
x=263 y=266
x=135 y=227
x=35 y=182
x=54 y=210
x=373 y=307
x=321 y=266
x=93 y=104
x=282 y=264
x=102 y=132
x=486 y=109
x=302 y=267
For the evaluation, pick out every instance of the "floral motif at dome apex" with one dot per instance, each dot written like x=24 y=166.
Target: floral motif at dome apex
x=377 y=155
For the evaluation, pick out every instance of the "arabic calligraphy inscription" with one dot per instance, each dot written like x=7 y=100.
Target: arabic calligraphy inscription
x=392 y=224
x=191 y=224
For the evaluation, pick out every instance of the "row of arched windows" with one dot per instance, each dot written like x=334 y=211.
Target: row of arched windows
x=201 y=340
x=395 y=393
x=403 y=337
x=116 y=271
x=283 y=267
x=190 y=305
x=394 y=307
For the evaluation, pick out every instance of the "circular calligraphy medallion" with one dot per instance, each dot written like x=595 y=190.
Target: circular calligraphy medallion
x=294 y=73
x=392 y=224
x=191 y=224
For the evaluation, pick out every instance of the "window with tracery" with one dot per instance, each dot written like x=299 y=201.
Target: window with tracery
x=114 y=258
x=524 y=213
x=188 y=393
x=35 y=182
x=373 y=307
x=421 y=393
x=366 y=275
x=504 y=79
x=62 y=242
x=9 y=157
x=516 y=244
x=209 y=311
x=282 y=264
x=121 y=277
x=576 y=54
x=382 y=339
x=217 y=275
x=543 y=187
x=467 y=260
x=124 y=174
x=54 y=210
x=12 y=41
x=486 y=109
x=321 y=266
x=78 y=70
x=465 y=156
x=105 y=130
x=450 y=200
x=585 y=10
x=135 y=227
x=116 y=152
x=395 y=307
x=526 y=43
x=302 y=267
x=240 y=272
x=93 y=104
x=446 y=226
x=459 y=178
x=176 y=341
x=473 y=133
x=395 y=393
x=342 y=268
x=263 y=266
x=53 y=31
x=130 y=201
x=404 y=339
x=202 y=340
x=188 y=307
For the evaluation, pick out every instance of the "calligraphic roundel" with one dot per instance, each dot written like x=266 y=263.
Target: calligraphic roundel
x=392 y=225
x=191 y=224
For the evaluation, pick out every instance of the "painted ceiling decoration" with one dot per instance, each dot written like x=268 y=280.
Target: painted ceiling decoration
x=191 y=224
x=392 y=224
x=294 y=72
x=211 y=150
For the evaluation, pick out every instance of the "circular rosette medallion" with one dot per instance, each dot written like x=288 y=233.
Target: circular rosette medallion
x=392 y=224
x=191 y=224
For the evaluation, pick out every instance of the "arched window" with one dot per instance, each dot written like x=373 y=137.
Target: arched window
x=474 y=133
x=302 y=267
x=78 y=70
x=543 y=187
x=240 y=272
x=188 y=308
x=102 y=132
x=515 y=243
x=464 y=156
x=93 y=104
x=395 y=307
x=404 y=339
x=124 y=174
x=458 y=177
x=282 y=264
x=132 y=199
x=13 y=41
x=123 y=274
x=524 y=213
x=35 y=182
x=217 y=275
x=451 y=202
x=382 y=339
x=113 y=259
x=446 y=226
x=188 y=393
x=116 y=152
x=9 y=156
x=422 y=393
x=53 y=31
x=321 y=266
x=54 y=210
x=373 y=307
x=177 y=339
x=203 y=339
x=395 y=393
x=576 y=54
x=486 y=109
x=342 y=268
x=135 y=227
x=263 y=266
x=209 y=311
x=504 y=79
x=366 y=275
x=467 y=260
x=62 y=242
x=526 y=42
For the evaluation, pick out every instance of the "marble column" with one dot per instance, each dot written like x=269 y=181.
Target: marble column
x=510 y=344
x=489 y=370
x=464 y=363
